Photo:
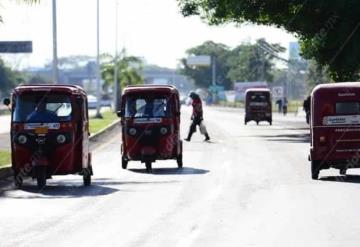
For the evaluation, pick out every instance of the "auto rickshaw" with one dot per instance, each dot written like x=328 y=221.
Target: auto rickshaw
x=334 y=126
x=258 y=105
x=150 y=120
x=49 y=132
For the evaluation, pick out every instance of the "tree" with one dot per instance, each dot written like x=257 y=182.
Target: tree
x=26 y=2
x=329 y=31
x=203 y=75
x=317 y=74
x=129 y=70
x=255 y=62
x=8 y=78
x=246 y=62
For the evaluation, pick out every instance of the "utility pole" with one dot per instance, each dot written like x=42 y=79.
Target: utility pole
x=55 y=70
x=98 y=79
x=213 y=60
x=117 y=87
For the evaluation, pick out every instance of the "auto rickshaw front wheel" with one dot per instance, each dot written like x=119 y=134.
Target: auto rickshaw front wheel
x=124 y=162
x=179 y=161
x=315 y=169
x=148 y=166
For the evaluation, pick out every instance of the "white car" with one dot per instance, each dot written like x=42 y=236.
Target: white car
x=92 y=101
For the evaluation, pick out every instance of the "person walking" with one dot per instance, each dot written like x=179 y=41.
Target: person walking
x=197 y=117
x=285 y=105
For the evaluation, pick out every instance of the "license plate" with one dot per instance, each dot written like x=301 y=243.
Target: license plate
x=41 y=130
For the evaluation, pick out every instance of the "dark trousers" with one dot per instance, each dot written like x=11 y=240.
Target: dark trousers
x=195 y=122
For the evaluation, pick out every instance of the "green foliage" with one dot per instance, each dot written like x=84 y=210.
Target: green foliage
x=317 y=74
x=5 y=158
x=203 y=75
x=129 y=70
x=8 y=78
x=329 y=31
x=253 y=62
x=246 y=62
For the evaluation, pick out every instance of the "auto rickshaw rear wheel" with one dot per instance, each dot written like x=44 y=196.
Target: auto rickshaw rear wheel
x=315 y=169
x=18 y=180
x=343 y=171
x=124 y=162
x=148 y=166
x=257 y=122
x=179 y=161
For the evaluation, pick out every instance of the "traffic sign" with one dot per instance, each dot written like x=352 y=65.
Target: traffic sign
x=16 y=47
x=199 y=61
x=278 y=92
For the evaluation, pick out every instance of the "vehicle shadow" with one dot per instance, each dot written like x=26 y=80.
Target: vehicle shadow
x=290 y=138
x=173 y=171
x=56 y=191
x=342 y=179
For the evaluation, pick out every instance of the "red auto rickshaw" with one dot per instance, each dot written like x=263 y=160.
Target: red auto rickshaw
x=150 y=119
x=335 y=127
x=49 y=132
x=258 y=105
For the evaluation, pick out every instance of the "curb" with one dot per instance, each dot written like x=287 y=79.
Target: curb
x=7 y=171
x=101 y=133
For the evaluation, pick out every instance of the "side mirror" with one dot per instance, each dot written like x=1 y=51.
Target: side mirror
x=6 y=101
x=119 y=113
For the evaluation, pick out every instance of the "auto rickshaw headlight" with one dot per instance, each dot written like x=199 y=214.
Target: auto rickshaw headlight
x=132 y=131
x=322 y=139
x=163 y=130
x=22 y=139
x=60 y=139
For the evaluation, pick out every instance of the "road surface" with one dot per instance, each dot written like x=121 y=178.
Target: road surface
x=250 y=186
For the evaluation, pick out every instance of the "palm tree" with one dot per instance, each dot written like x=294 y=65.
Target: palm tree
x=129 y=68
x=24 y=1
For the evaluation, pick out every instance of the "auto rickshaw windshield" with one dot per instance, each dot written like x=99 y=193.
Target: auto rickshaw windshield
x=145 y=107
x=41 y=108
x=348 y=108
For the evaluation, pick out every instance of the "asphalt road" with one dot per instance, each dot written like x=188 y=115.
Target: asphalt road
x=250 y=186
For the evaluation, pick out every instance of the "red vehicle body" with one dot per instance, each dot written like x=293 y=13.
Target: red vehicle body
x=258 y=105
x=335 y=127
x=49 y=132
x=150 y=119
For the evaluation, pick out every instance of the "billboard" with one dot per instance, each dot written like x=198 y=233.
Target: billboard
x=199 y=61
x=241 y=87
x=16 y=47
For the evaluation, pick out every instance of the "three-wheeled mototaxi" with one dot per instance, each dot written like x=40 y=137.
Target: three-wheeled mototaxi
x=258 y=105
x=150 y=120
x=49 y=132
x=335 y=127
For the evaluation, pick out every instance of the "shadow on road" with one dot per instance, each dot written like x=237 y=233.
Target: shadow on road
x=109 y=181
x=291 y=138
x=55 y=191
x=342 y=179
x=173 y=171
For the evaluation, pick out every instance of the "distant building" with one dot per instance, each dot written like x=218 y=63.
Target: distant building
x=294 y=51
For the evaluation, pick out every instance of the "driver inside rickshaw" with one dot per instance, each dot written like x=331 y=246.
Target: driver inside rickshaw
x=41 y=115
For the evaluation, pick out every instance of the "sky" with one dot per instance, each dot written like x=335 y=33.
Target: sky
x=152 y=29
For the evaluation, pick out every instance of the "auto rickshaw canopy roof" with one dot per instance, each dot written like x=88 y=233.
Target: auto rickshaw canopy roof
x=151 y=89
x=56 y=88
